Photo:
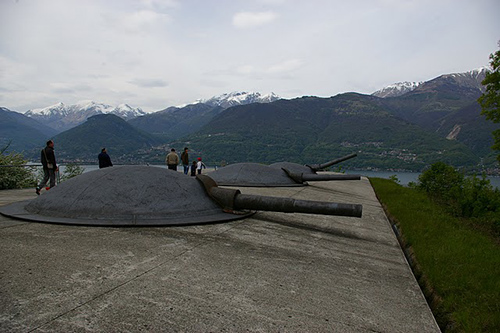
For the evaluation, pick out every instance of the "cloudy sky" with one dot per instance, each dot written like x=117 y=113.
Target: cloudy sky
x=159 y=53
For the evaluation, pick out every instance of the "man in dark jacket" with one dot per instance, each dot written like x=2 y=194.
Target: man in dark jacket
x=185 y=160
x=104 y=159
x=48 y=159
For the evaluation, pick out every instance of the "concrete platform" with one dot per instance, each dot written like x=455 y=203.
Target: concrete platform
x=272 y=272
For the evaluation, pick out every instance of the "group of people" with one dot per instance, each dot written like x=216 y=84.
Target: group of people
x=172 y=161
x=48 y=160
x=49 y=164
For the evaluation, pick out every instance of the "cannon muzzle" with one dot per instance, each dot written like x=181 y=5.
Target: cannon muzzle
x=233 y=200
x=304 y=177
x=317 y=167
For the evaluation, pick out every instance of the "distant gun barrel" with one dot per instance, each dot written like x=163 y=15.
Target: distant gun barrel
x=317 y=167
x=304 y=177
x=309 y=177
x=233 y=200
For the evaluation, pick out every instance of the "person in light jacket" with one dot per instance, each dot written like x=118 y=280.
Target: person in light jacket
x=172 y=160
x=200 y=165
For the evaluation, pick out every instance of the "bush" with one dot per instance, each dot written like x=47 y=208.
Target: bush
x=442 y=182
x=465 y=197
x=13 y=173
x=71 y=170
x=478 y=198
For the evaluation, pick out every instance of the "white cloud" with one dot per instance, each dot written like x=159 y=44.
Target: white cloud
x=253 y=19
x=162 y=4
x=285 y=66
x=246 y=69
x=158 y=53
x=141 y=21
x=149 y=83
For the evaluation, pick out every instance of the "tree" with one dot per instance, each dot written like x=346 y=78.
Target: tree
x=13 y=172
x=490 y=100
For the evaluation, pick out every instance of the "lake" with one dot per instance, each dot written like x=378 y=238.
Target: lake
x=404 y=177
x=407 y=177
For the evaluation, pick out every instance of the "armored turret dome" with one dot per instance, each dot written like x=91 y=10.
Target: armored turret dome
x=152 y=196
x=293 y=167
x=252 y=174
x=124 y=196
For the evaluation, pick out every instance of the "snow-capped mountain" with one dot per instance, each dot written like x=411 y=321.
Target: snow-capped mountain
x=127 y=112
x=470 y=79
x=477 y=73
x=396 y=89
x=62 y=117
x=239 y=98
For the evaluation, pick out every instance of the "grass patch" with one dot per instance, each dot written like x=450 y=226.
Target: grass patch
x=457 y=266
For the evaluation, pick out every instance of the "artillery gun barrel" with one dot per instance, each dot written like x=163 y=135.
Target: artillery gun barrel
x=290 y=205
x=233 y=200
x=316 y=167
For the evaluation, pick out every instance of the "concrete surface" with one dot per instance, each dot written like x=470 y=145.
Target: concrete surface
x=272 y=272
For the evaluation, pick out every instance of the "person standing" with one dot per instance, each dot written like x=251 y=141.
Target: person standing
x=200 y=165
x=48 y=160
x=185 y=160
x=193 y=169
x=104 y=159
x=172 y=160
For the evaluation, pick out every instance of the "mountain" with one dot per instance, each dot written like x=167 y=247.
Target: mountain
x=396 y=89
x=468 y=126
x=471 y=79
x=23 y=133
x=175 y=122
x=62 y=117
x=315 y=130
x=84 y=142
x=435 y=101
x=239 y=98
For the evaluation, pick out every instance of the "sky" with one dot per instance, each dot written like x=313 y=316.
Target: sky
x=154 y=54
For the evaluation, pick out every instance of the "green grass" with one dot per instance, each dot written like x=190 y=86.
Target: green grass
x=457 y=266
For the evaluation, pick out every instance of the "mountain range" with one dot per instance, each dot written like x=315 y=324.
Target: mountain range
x=239 y=98
x=407 y=128
x=21 y=132
x=471 y=79
x=313 y=130
x=62 y=117
x=175 y=122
